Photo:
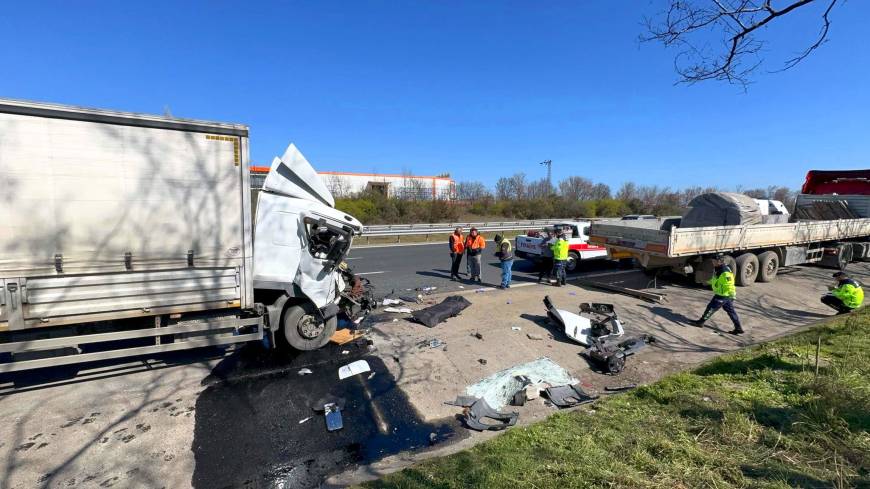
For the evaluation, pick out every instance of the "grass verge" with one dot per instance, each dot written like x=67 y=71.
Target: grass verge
x=755 y=418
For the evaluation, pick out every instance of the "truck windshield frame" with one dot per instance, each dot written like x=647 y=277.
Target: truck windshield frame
x=327 y=241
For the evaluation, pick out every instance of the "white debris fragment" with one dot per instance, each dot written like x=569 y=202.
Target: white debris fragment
x=392 y=302
x=353 y=368
x=304 y=371
x=398 y=310
x=516 y=328
x=305 y=419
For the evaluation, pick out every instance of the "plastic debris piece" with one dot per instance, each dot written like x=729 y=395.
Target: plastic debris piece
x=461 y=286
x=477 y=335
x=371 y=375
x=480 y=416
x=333 y=417
x=392 y=302
x=345 y=352
x=481 y=361
x=534 y=336
x=305 y=419
x=353 y=368
x=516 y=328
x=568 y=395
x=478 y=291
x=395 y=320
x=304 y=371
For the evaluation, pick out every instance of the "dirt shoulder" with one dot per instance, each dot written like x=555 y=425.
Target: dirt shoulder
x=430 y=376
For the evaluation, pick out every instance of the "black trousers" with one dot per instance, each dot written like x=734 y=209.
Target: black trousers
x=456 y=260
x=545 y=267
x=727 y=303
x=836 y=304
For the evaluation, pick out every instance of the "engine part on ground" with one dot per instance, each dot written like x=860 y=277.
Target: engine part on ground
x=480 y=416
x=434 y=315
x=612 y=352
x=564 y=396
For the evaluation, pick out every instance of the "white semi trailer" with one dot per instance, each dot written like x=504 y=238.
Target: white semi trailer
x=126 y=234
x=753 y=251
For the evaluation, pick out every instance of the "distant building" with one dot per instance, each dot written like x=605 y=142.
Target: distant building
x=343 y=184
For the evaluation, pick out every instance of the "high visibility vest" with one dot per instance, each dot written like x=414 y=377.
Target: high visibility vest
x=457 y=243
x=475 y=243
x=723 y=284
x=560 y=249
x=850 y=293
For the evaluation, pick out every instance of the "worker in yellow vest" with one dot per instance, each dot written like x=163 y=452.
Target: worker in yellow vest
x=846 y=296
x=560 y=258
x=724 y=293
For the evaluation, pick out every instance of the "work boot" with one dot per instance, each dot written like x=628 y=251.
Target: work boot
x=697 y=322
x=736 y=332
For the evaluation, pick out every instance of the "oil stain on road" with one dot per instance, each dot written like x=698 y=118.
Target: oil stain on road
x=248 y=433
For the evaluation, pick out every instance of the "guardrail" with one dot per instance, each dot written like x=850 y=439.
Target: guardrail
x=399 y=230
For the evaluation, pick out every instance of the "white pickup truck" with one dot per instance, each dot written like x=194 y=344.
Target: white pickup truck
x=529 y=245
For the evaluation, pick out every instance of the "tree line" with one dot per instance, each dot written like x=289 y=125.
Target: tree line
x=517 y=197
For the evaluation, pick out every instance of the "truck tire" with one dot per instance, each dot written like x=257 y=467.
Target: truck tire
x=768 y=266
x=304 y=329
x=747 y=269
x=572 y=262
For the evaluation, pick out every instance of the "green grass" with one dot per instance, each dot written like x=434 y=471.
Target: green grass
x=756 y=418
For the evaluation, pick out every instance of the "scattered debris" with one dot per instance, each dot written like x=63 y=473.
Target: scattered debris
x=461 y=286
x=434 y=315
x=333 y=417
x=480 y=290
x=508 y=302
x=398 y=310
x=371 y=375
x=303 y=420
x=304 y=371
x=568 y=395
x=345 y=352
x=344 y=336
x=499 y=388
x=433 y=343
x=640 y=294
x=534 y=336
x=519 y=398
x=476 y=411
x=395 y=320
x=427 y=290
x=411 y=299
x=353 y=368
x=392 y=302
x=516 y=328
x=619 y=388
x=477 y=335
x=481 y=361
x=433 y=438
x=533 y=391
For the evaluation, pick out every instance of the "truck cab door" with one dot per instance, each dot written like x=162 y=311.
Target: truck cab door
x=325 y=246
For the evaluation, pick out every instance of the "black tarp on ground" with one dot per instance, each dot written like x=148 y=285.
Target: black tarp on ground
x=721 y=209
x=434 y=315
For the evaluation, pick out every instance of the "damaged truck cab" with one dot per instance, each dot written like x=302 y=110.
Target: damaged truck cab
x=300 y=241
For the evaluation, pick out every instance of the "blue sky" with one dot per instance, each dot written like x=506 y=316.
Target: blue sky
x=479 y=89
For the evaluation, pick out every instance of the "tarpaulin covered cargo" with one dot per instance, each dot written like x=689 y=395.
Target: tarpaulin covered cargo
x=721 y=209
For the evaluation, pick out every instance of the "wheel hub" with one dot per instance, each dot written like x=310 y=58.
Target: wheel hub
x=309 y=327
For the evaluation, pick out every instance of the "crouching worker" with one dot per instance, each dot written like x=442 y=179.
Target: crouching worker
x=724 y=293
x=846 y=296
x=506 y=255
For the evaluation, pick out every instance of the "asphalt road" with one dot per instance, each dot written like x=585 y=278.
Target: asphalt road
x=401 y=268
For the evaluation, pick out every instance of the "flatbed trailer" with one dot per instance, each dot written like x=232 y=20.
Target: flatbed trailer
x=757 y=251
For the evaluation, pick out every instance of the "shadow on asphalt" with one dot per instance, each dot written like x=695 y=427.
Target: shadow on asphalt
x=249 y=429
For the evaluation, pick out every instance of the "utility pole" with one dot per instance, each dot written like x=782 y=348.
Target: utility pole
x=549 y=165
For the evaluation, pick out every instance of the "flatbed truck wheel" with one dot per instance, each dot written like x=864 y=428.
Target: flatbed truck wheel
x=747 y=269
x=304 y=329
x=768 y=266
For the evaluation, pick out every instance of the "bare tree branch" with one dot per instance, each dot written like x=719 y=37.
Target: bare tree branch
x=737 y=21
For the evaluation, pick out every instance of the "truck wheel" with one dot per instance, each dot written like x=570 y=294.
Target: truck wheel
x=573 y=261
x=768 y=265
x=747 y=269
x=304 y=329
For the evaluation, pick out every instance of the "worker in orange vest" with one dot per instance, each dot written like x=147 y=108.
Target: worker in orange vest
x=474 y=245
x=457 y=247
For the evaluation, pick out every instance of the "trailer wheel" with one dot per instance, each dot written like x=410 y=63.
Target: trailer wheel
x=304 y=329
x=768 y=266
x=573 y=261
x=747 y=269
